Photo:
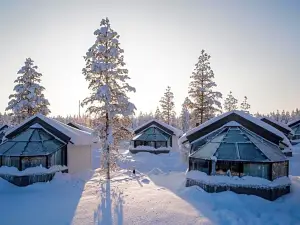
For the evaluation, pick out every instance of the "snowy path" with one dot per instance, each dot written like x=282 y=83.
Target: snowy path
x=133 y=200
x=154 y=197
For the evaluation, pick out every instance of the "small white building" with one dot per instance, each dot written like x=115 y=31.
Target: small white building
x=42 y=142
x=156 y=137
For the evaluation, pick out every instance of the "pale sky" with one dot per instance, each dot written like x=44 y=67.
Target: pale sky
x=254 y=48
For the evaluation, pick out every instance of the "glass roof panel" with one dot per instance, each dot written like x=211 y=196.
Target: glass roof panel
x=297 y=131
x=24 y=136
x=34 y=148
x=17 y=149
x=44 y=135
x=227 y=151
x=250 y=152
x=5 y=146
x=235 y=136
x=52 y=145
x=149 y=130
x=35 y=136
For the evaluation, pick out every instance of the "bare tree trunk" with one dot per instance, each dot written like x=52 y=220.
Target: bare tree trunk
x=107 y=148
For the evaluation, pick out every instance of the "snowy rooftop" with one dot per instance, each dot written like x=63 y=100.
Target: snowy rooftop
x=77 y=137
x=3 y=126
x=244 y=115
x=285 y=126
x=293 y=122
x=176 y=131
x=81 y=127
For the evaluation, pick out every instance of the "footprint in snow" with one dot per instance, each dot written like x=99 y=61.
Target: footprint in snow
x=145 y=181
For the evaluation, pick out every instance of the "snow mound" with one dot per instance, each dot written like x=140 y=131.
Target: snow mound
x=246 y=181
x=6 y=170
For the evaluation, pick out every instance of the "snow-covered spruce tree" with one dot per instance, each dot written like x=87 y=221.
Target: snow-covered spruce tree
x=245 y=106
x=157 y=114
x=185 y=115
x=107 y=79
x=28 y=98
x=167 y=105
x=204 y=100
x=230 y=103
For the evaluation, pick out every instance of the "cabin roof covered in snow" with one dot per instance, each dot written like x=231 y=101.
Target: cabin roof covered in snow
x=249 y=122
x=80 y=127
x=278 y=125
x=166 y=127
x=3 y=126
x=59 y=129
x=294 y=122
x=236 y=144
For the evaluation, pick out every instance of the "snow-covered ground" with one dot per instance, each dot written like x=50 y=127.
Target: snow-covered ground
x=156 y=195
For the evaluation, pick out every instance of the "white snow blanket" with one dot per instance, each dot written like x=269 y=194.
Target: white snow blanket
x=155 y=195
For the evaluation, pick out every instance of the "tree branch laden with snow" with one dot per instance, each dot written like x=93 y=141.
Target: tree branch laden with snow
x=107 y=79
x=28 y=98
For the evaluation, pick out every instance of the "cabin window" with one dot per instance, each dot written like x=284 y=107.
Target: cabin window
x=138 y=143
x=55 y=158
x=279 y=169
x=28 y=162
x=150 y=143
x=223 y=167
x=10 y=161
x=161 y=144
x=201 y=165
x=256 y=170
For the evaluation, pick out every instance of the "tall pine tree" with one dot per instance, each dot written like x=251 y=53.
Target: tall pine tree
x=167 y=105
x=230 y=103
x=204 y=100
x=107 y=79
x=185 y=115
x=245 y=106
x=28 y=98
x=157 y=114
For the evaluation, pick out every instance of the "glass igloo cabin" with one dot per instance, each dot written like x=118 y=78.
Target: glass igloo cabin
x=39 y=147
x=238 y=152
x=295 y=126
x=155 y=137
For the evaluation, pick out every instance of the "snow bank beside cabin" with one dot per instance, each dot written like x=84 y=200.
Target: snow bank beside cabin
x=13 y=171
x=150 y=148
x=246 y=181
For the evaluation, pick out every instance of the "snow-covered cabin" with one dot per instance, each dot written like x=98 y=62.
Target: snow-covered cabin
x=40 y=144
x=156 y=137
x=241 y=147
x=295 y=126
x=284 y=128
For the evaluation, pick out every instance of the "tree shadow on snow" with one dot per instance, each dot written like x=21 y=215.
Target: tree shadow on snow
x=110 y=208
x=40 y=201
